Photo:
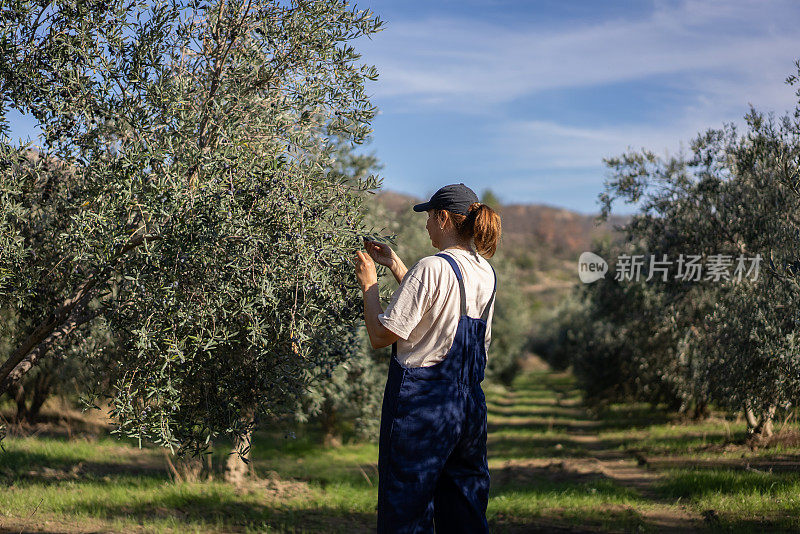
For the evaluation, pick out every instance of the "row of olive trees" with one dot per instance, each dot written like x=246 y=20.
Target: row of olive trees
x=63 y=373
x=345 y=396
x=689 y=343
x=186 y=195
x=342 y=395
x=179 y=245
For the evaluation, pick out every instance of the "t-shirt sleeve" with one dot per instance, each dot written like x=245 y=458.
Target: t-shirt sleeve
x=409 y=303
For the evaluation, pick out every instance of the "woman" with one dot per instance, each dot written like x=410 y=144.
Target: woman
x=432 y=451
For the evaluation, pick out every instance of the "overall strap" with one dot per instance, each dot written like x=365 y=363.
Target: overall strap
x=454 y=265
x=485 y=314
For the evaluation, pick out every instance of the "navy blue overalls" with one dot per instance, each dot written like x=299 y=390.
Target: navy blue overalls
x=432 y=449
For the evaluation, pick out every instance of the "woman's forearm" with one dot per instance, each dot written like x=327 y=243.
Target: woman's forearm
x=379 y=335
x=398 y=269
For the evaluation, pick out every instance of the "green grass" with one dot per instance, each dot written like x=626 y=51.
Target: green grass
x=741 y=501
x=597 y=502
x=163 y=506
x=543 y=449
x=530 y=426
x=125 y=488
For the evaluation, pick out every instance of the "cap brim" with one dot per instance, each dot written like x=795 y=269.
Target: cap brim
x=425 y=206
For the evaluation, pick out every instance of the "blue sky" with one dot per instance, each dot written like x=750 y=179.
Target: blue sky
x=527 y=97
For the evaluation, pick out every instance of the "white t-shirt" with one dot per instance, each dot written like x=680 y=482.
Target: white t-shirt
x=425 y=309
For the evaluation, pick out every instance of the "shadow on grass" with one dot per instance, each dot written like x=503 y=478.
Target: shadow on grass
x=363 y=475
x=546 y=399
x=738 y=501
x=229 y=512
x=54 y=425
x=34 y=466
x=535 y=436
x=552 y=478
x=303 y=458
x=555 y=498
x=541 y=425
x=526 y=446
x=789 y=464
x=573 y=521
x=564 y=405
x=548 y=411
x=751 y=526
x=699 y=481
x=632 y=418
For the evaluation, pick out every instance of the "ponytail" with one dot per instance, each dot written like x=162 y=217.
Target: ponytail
x=481 y=225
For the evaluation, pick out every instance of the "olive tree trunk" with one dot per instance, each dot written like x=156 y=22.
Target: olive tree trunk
x=237 y=466
x=759 y=427
x=330 y=425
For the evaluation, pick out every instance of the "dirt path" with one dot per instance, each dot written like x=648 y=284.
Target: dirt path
x=626 y=470
x=582 y=456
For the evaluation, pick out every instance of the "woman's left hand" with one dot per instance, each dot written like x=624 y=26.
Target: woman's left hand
x=365 y=270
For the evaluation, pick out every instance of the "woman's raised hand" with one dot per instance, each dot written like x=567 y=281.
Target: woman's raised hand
x=365 y=270
x=380 y=252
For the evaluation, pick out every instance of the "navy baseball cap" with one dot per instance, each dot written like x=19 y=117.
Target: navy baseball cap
x=455 y=198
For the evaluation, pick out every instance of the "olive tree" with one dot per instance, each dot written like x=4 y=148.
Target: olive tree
x=201 y=213
x=347 y=396
x=726 y=339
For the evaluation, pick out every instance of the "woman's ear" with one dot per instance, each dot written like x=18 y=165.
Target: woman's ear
x=441 y=219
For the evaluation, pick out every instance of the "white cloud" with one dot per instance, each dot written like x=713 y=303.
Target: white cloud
x=544 y=145
x=715 y=55
x=726 y=50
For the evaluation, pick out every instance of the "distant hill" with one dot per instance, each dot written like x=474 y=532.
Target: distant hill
x=558 y=231
x=541 y=245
